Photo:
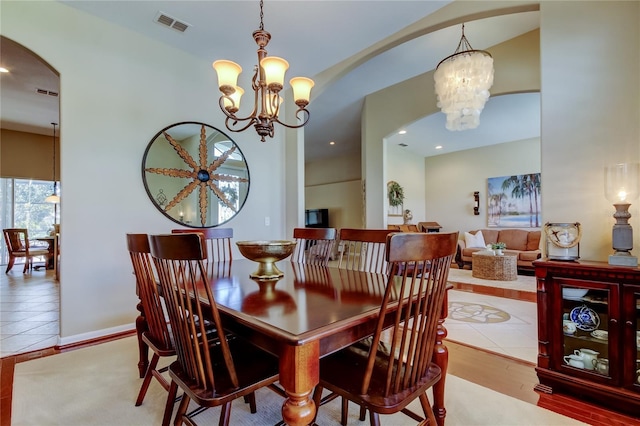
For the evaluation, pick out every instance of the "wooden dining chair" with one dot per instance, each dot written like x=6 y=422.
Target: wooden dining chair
x=386 y=378
x=155 y=333
x=363 y=250
x=18 y=246
x=315 y=245
x=217 y=242
x=211 y=372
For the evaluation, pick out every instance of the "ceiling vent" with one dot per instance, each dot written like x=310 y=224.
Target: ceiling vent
x=173 y=23
x=46 y=92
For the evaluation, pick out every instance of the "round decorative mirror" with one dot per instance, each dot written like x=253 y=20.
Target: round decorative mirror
x=195 y=175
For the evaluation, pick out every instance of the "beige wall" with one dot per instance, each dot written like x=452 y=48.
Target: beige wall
x=343 y=199
x=27 y=155
x=590 y=58
x=103 y=138
x=388 y=110
x=409 y=171
x=452 y=178
x=589 y=64
x=335 y=184
x=410 y=100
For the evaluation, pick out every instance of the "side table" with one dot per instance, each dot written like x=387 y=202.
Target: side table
x=502 y=268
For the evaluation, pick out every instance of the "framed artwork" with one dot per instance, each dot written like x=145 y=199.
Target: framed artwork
x=514 y=201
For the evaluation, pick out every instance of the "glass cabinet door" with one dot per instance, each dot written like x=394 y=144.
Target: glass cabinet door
x=585 y=314
x=632 y=336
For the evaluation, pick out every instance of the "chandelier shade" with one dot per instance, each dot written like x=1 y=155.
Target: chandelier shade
x=301 y=89
x=462 y=83
x=268 y=81
x=232 y=102
x=228 y=73
x=274 y=70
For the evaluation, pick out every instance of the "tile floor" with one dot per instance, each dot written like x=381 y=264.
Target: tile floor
x=497 y=324
x=29 y=311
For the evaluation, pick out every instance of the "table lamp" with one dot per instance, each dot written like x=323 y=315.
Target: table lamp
x=621 y=187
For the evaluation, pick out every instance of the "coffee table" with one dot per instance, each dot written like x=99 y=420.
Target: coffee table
x=501 y=268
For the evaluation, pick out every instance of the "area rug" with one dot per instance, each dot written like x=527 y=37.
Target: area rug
x=524 y=283
x=98 y=386
x=476 y=313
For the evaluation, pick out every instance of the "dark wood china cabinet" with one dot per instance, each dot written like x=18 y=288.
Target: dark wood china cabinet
x=589 y=332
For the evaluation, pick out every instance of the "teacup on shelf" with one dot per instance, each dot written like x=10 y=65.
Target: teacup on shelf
x=569 y=327
x=600 y=334
x=602 y=366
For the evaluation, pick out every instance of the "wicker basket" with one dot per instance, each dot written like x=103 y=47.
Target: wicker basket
x=501 y=268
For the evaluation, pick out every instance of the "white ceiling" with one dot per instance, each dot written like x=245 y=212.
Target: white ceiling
x=313 y=36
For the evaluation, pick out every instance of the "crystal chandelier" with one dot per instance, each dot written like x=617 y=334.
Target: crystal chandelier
x=54 y=198
x=462 y=85
x=267 y=82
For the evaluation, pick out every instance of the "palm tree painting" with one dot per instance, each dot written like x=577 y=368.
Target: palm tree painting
x=514 y=201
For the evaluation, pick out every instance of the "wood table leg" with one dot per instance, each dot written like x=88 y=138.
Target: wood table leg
x=441 y=357
x=299 y=374
x=141 y=327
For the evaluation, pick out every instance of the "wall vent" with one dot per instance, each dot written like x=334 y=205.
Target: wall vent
x=171 y=22
x=46 y=92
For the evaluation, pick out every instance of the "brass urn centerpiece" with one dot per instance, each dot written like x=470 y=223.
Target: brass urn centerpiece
x=266 y=254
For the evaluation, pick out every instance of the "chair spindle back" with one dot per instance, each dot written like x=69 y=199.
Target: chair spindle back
x=147 y=286
x=315 y=245
x=364 y=250
x=419 y=268
x=216 y=242
x=180 y=262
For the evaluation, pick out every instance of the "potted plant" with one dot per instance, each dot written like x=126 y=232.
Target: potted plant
x=498 y=247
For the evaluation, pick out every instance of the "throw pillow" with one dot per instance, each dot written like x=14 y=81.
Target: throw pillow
x=476 y=240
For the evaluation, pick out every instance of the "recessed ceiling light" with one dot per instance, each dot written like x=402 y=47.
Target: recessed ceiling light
x=3 y=69
x=439 y=147
x=402 y=132
x=332 y=143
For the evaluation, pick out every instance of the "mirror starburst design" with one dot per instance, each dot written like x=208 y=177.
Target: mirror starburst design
x=203 y=175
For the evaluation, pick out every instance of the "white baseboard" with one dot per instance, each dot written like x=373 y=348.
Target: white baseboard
x=92 y=335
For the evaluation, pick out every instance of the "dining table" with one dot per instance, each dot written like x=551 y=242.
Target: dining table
x=309 y=312
x=51 y=246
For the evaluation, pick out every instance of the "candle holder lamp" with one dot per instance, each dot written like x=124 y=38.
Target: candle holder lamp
x=621 y=187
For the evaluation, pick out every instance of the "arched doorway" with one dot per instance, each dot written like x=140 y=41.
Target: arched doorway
x=29 y=172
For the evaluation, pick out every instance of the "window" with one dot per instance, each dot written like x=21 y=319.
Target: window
x=22 y=205
x=230 y=189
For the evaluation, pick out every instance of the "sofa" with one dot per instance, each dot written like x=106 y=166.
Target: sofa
x=524 y=243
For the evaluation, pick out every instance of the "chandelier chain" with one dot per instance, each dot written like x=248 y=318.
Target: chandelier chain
x=464 y=44
x=261 y=16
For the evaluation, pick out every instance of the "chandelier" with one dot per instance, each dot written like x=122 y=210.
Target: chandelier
x=462 y=85
x=267 y=82
x=54 y=198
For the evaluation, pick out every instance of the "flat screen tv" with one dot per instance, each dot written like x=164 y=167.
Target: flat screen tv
x=316 y=218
